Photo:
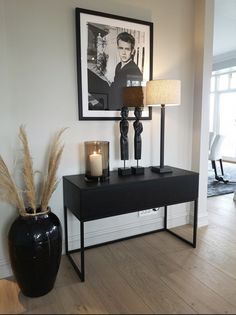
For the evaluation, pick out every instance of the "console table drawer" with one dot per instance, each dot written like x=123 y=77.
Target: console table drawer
x=109 y=200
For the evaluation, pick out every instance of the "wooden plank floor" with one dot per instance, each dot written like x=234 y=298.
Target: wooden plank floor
x=153 y=274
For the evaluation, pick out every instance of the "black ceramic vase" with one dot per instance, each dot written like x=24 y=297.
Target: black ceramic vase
x=35 y=245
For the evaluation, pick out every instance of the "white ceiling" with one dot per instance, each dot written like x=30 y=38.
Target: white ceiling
x=224 y=27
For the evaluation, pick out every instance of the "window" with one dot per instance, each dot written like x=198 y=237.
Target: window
x=233 y=80
x=223 y=109
x=212 y=102
x=223 y=82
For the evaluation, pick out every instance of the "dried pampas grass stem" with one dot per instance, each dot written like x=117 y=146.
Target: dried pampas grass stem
x=28 y=173
x=8 y=190
x=50 y=182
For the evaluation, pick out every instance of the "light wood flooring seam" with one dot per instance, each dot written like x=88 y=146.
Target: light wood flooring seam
x=210 y=287
x=189 y=304
x=141 y=297
x=207 y=260
x=202 y=282
x=132 y=287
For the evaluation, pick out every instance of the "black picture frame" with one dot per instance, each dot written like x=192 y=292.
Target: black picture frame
x=97 y=58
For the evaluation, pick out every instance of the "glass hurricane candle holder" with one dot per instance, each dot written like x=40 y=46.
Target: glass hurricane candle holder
x=97 y=160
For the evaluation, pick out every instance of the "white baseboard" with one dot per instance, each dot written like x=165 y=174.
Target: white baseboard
x=5 y=269
x=118 y=232
x=202 y=220
x=148 y=224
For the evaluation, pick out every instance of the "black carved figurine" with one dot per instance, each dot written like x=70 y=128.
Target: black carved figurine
x=124 y=128
x=138 y=129
x=124 y=143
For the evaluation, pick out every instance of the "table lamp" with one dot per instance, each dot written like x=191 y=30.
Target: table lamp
x=134 y=96
x=163 y=93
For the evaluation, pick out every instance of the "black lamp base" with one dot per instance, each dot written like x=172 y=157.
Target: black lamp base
x=161 y=170
x=124 y=171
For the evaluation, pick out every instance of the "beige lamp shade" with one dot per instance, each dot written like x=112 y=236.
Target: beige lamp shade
x=134 y=96
x=167 y=92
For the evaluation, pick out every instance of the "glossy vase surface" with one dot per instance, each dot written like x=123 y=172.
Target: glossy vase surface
x=35 y=245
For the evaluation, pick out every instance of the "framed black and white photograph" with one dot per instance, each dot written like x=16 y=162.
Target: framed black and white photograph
x=112 y=52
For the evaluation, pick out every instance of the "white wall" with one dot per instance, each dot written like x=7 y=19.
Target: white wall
x=204 y=16
x=224 y=27
x=39 y=89
x=7 y=138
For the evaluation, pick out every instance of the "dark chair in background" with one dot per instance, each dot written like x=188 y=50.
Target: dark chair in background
x=215 y=154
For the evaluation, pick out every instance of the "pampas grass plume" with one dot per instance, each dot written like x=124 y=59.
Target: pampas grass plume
x=10 y=193
x=8 y=189
x=51 y=181
x=28 y=173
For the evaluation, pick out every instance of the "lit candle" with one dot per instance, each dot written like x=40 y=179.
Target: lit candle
x=96 y=164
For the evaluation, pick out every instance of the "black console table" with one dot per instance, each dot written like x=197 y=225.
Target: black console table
x=120 y=195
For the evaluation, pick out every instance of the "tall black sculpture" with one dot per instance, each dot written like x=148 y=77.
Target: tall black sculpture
x=138 y=129
x=124 y=142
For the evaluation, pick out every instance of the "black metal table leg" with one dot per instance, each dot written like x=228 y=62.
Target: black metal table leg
x=194 y=242
x=165 y=217
x=82 y=250
x=80 y=272
x=195 y=223
x=66 y=229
